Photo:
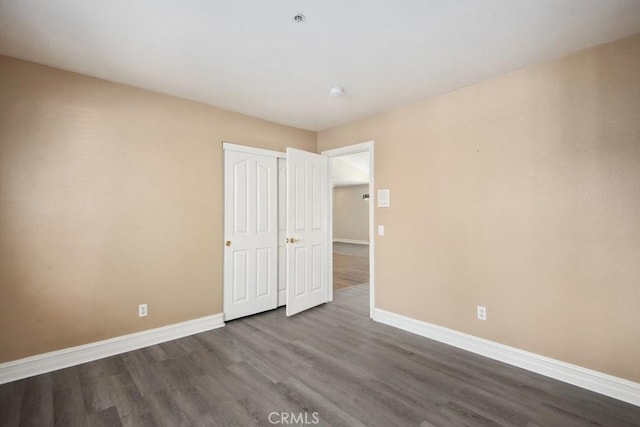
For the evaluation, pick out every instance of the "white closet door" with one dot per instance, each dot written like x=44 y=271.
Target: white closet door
x=307 y=230
x=250 y=234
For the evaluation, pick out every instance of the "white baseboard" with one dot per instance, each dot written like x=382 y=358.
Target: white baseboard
x=47 y=362
x=282 y=297
x=611 y=386
x=355 y=242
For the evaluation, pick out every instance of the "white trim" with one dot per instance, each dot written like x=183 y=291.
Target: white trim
x=47 y=362
x=252 y=150
x=611 y=386
x=349 y=149
x=329 y=229
x=352 y=241
x=352 y=149
x=372 y=232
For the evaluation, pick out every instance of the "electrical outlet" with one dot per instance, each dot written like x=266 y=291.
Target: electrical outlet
x=142 y=310
x=482 y=312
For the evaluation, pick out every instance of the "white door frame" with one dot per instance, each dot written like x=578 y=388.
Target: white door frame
x=252 y=150
x=342 y=151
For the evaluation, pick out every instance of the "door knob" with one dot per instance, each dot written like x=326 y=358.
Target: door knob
x=292 y=240
x=228 y=243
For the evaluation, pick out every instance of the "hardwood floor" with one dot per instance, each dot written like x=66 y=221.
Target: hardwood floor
x=331 y=360
x=350 y=265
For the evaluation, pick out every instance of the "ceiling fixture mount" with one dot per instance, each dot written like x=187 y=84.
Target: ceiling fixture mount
x=336 y=91
x=299 y=18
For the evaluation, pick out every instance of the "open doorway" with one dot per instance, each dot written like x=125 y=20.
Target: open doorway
x=352 y=225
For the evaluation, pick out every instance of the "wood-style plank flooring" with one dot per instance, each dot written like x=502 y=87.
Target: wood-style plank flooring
x=332 y=360
x=350 y=265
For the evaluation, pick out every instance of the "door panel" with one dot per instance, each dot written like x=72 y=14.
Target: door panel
x=307 y=230
x=240 y=283
x=251 y=228
x=262 y=270
x=317 y=252
x=240 y=188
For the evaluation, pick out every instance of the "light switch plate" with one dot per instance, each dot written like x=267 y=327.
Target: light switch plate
x=383 y=198
x=381 y=230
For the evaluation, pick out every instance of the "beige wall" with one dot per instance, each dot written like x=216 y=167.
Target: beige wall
x=110 y=196
x=350 y=213
x=521 y=193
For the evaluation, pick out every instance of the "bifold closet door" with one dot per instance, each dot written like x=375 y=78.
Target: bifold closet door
x=250 y=233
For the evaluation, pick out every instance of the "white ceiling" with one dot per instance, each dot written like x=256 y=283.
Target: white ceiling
x=350 y=169
x=249 y=56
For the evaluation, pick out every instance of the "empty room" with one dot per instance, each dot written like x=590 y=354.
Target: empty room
x=382 y=213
